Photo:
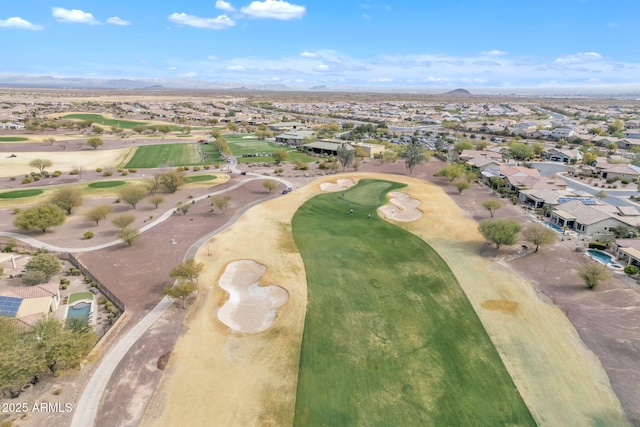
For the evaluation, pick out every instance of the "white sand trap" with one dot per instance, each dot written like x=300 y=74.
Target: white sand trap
x=250 y=308
x=340 y=185
x=401 y=207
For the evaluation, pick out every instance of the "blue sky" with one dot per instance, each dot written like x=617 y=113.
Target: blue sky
x=304 y=43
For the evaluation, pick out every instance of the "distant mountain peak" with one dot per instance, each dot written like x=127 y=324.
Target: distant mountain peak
x=458 y=92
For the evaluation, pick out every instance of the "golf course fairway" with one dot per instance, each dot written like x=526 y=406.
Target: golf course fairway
x=390 y=338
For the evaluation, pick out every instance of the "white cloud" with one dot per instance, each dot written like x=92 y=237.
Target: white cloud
x=226 y=6
x=275 y=9
x=579 y=58
x=219 y=23
x=235 y=68
x=494 y=52
x=213 y=57
x=118 y=21
x=381 y=80
x=365 y=16
x=189 y=75
x=19 y=24
x=306 y=54
x=321 y=67
x=74 y=16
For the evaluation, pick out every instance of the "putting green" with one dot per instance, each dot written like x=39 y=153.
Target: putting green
x=390 y=338
x=18 y=194
x=106 y=184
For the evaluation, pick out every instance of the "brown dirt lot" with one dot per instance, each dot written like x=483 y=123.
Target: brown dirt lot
x=219 y=377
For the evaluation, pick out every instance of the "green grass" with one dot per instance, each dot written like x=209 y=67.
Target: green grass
x=239 y=146
x=210 y=154
x=106 y=184
x=100 y=120
x=390 y=337
x=18 y=194
x=79 y=296
x=153 y=156
x=12 y=139
x=199 y=178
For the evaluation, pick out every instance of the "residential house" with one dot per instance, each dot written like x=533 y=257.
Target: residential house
x=480 y=159
x=590 y=217
x=31 y=302
x=620 y=171
x=627 y=251
x=538 y=198
x=11 y=126
x=631 y=140
x=562 y=155
x=563 y=133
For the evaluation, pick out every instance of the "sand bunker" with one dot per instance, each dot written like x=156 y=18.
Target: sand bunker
x=340 y=185
x=401 y=207
x=250 y=308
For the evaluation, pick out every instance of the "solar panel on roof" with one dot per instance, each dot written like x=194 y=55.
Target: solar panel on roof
x=9 y=306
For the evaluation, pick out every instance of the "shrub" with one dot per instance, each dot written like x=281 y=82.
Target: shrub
x=64 y=286
x=119 y=170
x=124 y=173
x=598 y=245
x=108 y=304
x=196 y=168
x=206 y=167
x=595 y=185
x=624 y=181
x=101 y=300
x=87 y=279
x=107 y=173
x=216 y=166
x=45 y=174
x=87 y=235
x=132 y=170
x=190 y=196
x=27 y=180
x=98 y=170
x=56 y=174
x=279 y=170
x=72 y=272
x=64 y=281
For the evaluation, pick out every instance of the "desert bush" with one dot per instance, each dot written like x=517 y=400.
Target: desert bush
x=196 y=168
x=56 y=174
x=124 y=173
x=98 y=170
x=107 y=173
x=36 y=177
x=102 y=300
x=87 y=235
x=27 y=180
x=598 y=245
x=132 y=170
x=624 y=181
x=207 y=167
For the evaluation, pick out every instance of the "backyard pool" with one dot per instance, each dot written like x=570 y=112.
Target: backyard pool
x=603 y=258
x=79 y=311
x=554 y=227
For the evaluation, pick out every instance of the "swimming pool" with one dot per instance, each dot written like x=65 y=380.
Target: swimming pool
x=79 y=311
x=554 y=227
x=604 y=258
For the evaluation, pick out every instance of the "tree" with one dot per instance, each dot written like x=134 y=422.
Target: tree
x=184 y=208
x=462 y=185
x=345 y=155
x=263 y=134
x=40 y=217
x=539 y=235
x=41 y=164
x=97 y=130
x=132 y=194
x=189 y=270
x=95 y=142
x=593 y=273
x=34 y=277
x=181 y=290
x=98 y=213
x=615 y=127
x=61 y=347
x=123 y=220
x=601 y=194
x=460 y=146
x=155 y=200
x=500 y=231
x=521 y=151
x=413 y=156
x=452 y=171
x=186 y=130
x=269 y=184
x=47 y=263
x=279 y=155
x=164 y=129
x=221 y=202
x=19 y=359
x=390 y=156
x=67 y=198
x=172 y=180
x=589 y=158
x=50 y=140
x=139 y=129
x=492 y=205
x=128 y=235
x=631 y=270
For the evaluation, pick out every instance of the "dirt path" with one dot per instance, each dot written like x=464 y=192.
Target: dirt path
x=222 y=378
